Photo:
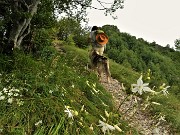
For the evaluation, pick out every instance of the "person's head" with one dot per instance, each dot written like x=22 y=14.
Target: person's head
x=94 y=28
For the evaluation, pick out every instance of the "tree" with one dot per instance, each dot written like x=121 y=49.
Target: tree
x=177 y=44
x=16 y=16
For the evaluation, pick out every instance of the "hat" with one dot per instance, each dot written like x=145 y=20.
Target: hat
x=101 y=38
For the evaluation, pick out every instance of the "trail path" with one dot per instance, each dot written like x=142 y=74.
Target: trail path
x=136 y=117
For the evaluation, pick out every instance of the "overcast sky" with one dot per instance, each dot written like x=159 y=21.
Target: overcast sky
x=152 y=20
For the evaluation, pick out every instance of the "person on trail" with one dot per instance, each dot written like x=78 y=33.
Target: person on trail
x=98 y=40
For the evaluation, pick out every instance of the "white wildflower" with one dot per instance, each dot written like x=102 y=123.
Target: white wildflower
x=117 y=128
x=104 y=119
x=51 y=91
x=155 y=103
x=86 y=112
x=94 y=85
x=16 y=94
x=107 y=114
x=39 y=122
x=5 y=90
x=19 y=102
x=16 y=90
x=69 y=112
x=10 y=100
x=165 y=91
x=140 y=87
x=145 y=106
x=105 y=126
x=122 y=86
x=82 y=108
x=72 y=86
x=2 y=97
x=10 y=94
x=91 y=128
x=96 y=91
x=87 y=82
x=135 y=100
x=162 y=118
x=75 y=113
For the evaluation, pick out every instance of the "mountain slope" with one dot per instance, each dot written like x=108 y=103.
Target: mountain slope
x=54 y=93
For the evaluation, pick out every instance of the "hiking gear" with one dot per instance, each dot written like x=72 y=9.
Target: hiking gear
x=102 y=38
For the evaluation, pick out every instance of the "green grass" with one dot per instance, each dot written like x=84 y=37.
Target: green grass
x=48 y=83
x=170 y=107
x=40 y=89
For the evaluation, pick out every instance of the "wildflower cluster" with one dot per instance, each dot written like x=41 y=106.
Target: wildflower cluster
x=141 y=87
x=70 y=112
x=38 y=123
x=11 y=94
x=105 y=127
x=93 y=88
x=163 y=89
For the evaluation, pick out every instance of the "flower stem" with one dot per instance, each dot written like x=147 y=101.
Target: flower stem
x=122 y=102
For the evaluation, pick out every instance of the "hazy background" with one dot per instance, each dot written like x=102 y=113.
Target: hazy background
x=152 y=20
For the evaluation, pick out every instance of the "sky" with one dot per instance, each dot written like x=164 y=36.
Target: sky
x=152 y=20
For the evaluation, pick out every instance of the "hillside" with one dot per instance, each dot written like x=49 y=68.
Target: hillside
x=55 y=81
x=54 y=93
x=47 y=89
x=159 y=65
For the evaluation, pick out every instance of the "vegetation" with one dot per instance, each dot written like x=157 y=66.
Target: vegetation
x=177 y=44
x=161 y=66
x=19 y=19
x=41 y=89
x=37 y=91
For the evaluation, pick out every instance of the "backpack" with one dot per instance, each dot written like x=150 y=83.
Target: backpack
x=101 y=38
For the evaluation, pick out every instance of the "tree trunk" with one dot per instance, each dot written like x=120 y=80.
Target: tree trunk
x=21 y=26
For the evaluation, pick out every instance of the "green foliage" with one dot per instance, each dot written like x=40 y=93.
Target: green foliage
x=177 y=44
x=45 y=17
x=70 y=30
x=141 y=55
x=42 y=38
x=171 y=111
x=46 y=86
x=123 y=74
x=19 y=18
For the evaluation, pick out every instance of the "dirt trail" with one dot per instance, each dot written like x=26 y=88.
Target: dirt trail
x=136 y=117
x=141 y=120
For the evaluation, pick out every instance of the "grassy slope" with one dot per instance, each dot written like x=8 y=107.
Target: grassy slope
x=41 y=88
x=54 y=81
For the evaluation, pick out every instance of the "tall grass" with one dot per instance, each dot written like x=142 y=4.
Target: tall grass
x=35 y=92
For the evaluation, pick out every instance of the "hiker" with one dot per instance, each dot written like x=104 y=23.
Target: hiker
x=98 y=40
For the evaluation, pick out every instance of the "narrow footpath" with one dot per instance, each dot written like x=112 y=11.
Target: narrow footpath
x=135 y=115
